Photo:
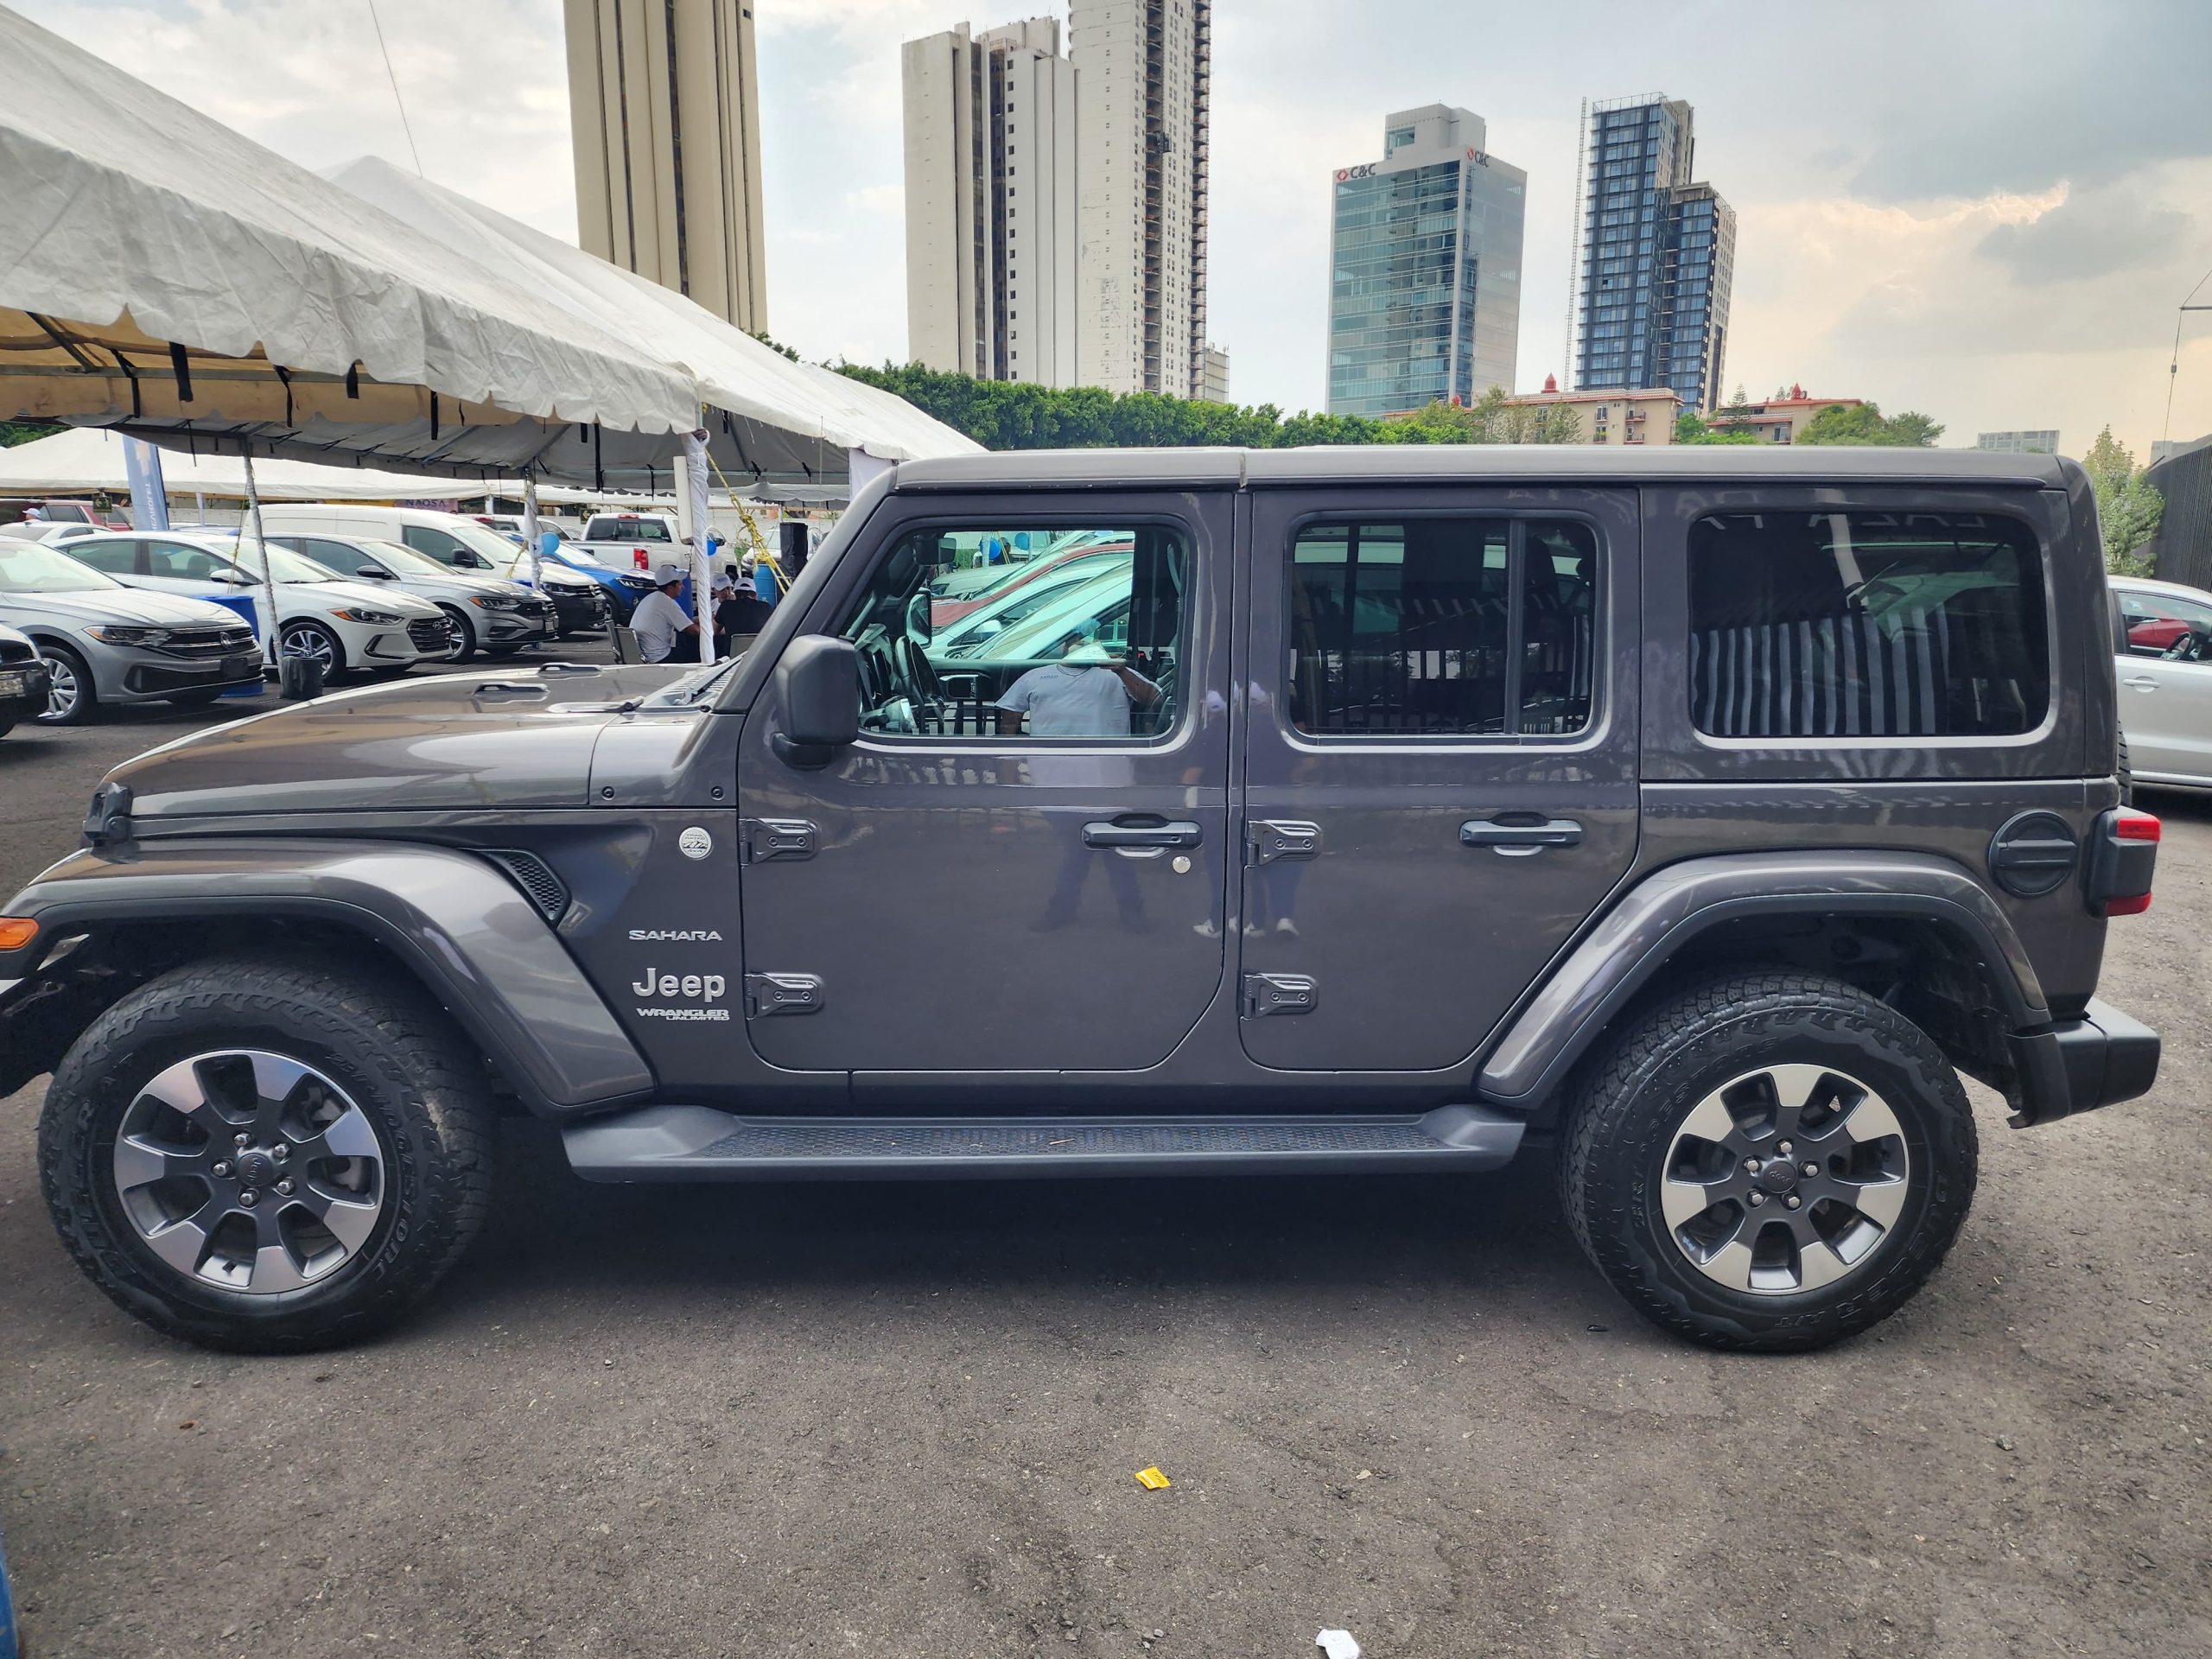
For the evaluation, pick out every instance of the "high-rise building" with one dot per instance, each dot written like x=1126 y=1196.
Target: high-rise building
x=991 y=203
x=666 y=129
x=1213 y=376
x=1425 y=267
x=1143 y=72
x=2039 y=442
x=1654 y=258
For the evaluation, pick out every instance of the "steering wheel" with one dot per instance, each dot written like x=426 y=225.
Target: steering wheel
x=918 y=672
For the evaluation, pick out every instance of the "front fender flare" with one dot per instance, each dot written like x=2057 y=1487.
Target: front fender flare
x=465 y=931
x=1655 y=918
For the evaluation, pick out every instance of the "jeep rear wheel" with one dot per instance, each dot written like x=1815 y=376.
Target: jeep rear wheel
x=1770 y=1160
x=268 y=1156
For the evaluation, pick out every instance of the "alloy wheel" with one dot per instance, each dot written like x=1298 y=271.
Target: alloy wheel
x=305 y=639
x=1786 y=1179
x=63 y=689
x=248 y=1171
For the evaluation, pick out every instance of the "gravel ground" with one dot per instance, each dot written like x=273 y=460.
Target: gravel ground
x=832 y=1419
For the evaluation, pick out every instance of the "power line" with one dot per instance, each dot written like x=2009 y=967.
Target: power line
x=405 y=126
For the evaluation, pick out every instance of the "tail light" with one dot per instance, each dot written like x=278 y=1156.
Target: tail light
x=2122 y=855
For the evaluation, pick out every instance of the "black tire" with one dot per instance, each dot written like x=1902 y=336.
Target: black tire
x=2126 y=774
x=464 y=635
x=387 y=1046
x=1632 y=1102
x=196 y=699
x=84 y=706
x=319 y=641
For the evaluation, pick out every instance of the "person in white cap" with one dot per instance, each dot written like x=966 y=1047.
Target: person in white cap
x=659 y=622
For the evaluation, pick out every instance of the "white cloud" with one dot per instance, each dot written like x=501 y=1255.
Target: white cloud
x=1802 y=124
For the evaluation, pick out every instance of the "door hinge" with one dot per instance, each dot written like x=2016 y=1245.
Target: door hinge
x=767 y=838
x=767 y=993
x=1267 y=840
x=1267 y=993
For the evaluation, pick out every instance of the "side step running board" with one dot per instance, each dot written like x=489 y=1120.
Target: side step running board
x=694 y=1143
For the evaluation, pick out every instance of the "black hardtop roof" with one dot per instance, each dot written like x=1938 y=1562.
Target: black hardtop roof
x=1423 y=463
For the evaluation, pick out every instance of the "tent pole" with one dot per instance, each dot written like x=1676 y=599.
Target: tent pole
x=530 y=532
x=267 y=565
x=692 y=520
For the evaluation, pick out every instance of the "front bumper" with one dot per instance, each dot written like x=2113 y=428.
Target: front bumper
x=23 y=687
x=136 y=674
x=578 y=610
x=2077 y=1065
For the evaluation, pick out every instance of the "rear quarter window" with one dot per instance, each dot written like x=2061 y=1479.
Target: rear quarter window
x=1879 y=625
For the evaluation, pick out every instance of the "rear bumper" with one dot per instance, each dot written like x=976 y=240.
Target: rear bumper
x=2077 y=1065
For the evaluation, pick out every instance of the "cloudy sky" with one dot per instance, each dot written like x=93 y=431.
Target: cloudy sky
x=1988 y=210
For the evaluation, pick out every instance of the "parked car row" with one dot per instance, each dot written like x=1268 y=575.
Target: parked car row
x=106 y=618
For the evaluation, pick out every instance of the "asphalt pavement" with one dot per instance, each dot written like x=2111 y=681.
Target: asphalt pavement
x=882 y=1420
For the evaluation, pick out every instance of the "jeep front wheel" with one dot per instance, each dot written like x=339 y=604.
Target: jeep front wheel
x=1771 y=1161
x=268 y=1156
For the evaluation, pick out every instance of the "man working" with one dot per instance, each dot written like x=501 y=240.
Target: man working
x=1085 y=694
x=659 y=619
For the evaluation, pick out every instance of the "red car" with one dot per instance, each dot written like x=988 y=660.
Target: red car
x=957 y=593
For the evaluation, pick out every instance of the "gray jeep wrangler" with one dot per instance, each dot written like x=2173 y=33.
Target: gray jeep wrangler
x=1700 y=814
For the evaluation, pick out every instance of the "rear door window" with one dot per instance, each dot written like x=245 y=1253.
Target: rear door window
x=1443 y=627
x=118 y=556
x=1879 y=625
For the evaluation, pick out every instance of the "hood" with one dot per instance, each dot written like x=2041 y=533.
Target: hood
x=484 y=741
x=90 y=606
x=371 y=595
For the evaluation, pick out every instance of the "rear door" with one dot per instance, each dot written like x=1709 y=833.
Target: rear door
x=1440 y=774
x=1021 y=864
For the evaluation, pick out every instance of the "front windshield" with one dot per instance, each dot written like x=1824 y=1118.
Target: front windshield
x=406 y=562
x=286 y=565
x=34 y=568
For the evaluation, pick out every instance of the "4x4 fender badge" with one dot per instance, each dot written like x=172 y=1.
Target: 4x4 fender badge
x=695 y=842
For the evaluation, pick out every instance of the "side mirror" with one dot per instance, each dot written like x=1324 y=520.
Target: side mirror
x=374 y=573
x=818 y=685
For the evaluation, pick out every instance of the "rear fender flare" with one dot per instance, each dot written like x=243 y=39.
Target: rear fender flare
x=453 y=920
x=1654 y=920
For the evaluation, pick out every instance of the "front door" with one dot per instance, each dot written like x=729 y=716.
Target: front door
x=1440 y=782
x=1021 y=865
x=2165 y=684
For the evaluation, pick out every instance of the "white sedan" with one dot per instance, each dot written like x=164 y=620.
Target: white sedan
x=344 y=625
x=486 y=613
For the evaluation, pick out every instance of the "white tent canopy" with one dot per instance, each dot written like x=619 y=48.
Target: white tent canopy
x=161 y=273
x=87 y=460
x=760 y=403
x=82 y=460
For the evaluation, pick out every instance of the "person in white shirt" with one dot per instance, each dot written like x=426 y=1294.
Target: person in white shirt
x=659 y=622
x=1085 y=694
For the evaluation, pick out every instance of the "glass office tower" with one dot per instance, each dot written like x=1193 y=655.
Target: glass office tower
x=1425 y=267
x=1655 y=256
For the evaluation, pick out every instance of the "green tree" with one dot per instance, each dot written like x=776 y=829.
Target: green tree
x=775 y=345
x=2128 y=505
x=14 y=432
x=1865 y=423
x=1018 y=415
x=1694 y=429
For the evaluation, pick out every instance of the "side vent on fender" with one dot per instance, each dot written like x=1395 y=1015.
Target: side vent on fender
x=534 y=877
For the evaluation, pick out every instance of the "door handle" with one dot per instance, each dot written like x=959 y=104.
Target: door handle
x=2141 y=683
x=1181 y=833
x=1520 y=840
